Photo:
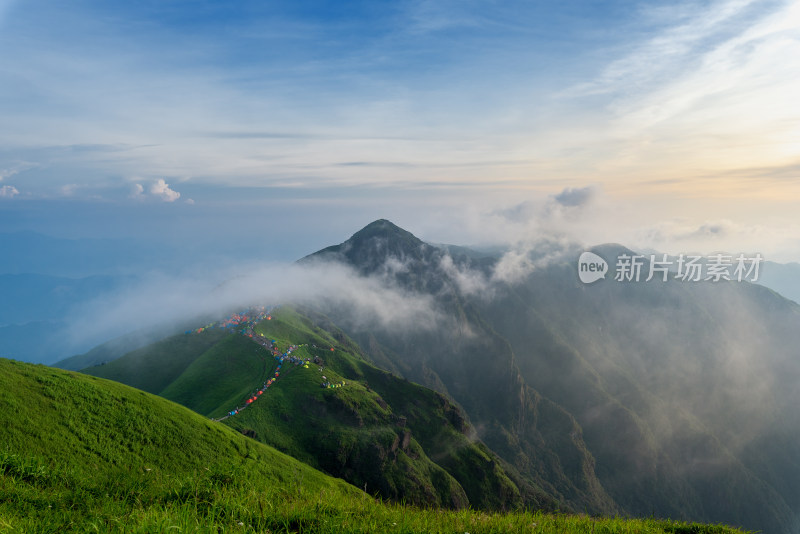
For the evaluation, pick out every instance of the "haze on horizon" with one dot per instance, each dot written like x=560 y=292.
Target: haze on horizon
x=659 y=125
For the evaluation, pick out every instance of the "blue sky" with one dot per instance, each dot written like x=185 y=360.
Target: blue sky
x=676 y=123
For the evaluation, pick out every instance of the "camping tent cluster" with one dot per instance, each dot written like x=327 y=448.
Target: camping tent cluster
x=282 y=358
x=200 y=329
x=245 y=319
x=244 y=322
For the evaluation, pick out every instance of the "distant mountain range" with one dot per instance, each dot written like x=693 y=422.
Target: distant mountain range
x=670 y=399
x=783 y=278
x=34 y=309
x=45 y=281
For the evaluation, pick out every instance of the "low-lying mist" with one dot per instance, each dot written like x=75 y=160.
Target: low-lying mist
x=162 y=301
x=675 y=386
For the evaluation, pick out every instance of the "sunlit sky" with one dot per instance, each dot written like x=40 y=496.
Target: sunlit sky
x=662 y=125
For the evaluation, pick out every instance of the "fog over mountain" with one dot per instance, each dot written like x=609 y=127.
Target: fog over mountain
x=678 y=397
x=166 y=166
x=674 y=399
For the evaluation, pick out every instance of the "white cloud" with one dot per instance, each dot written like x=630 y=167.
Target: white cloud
x=8 y=191
x=161 y=300
x=570 y=212
x=161 y=190
x=697 y=82
x=513 y=266
x=137 y=192
x=15 y=169
x=469 y=281
x=777 y=239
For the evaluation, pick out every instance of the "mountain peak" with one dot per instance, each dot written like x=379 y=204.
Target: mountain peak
x=370 y=248
x=384 y=229
x=381 y=223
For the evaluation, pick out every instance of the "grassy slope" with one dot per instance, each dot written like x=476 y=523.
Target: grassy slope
x=213 y=372
x=441 y=429
x=237 y=366
x=393 y=409
x=347 y=432
x=350 y=432
x=109 y=351
x=79 y=451
x=82 y=454
x=154 y=367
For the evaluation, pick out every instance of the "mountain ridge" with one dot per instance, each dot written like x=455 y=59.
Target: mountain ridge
x=580 y=347
x=634 y=398
x=364 y=430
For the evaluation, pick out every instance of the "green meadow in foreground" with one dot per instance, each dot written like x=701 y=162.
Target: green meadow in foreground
x=83 y=454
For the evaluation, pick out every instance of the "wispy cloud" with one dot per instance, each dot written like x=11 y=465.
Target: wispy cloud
x=432 y=15
x=16 y=168
x=715 y=89
x=683 y=39
x=8 y=191
x=475 y=105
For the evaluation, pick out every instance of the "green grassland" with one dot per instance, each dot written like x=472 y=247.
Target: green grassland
x=398 y=410
x=395 y=439
x=154 y=367
x=83 y=454
x=80 y=453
